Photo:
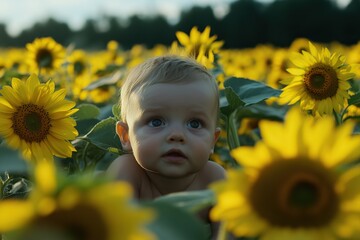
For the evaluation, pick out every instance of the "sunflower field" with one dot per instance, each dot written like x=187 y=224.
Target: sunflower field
x=290 y=144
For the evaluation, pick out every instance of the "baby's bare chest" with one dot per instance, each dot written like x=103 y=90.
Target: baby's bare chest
x=148 y=190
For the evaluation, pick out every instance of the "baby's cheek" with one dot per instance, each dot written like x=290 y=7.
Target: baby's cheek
x=148 y=147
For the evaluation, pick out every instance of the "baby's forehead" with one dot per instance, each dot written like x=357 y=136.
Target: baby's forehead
x=184 y=78
x=196 y=95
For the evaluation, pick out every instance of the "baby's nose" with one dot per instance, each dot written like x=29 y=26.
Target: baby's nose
x=176 y=135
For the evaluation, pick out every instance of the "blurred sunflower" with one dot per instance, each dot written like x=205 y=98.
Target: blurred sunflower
x=102 y=94
x=354 y=59
x=2 y=65
x=45 y=55
x=299 y=45
x=247 y=125
x=320 y=83
x=78 y=63
x=200 y=45
x=293 y=183
x=278 y=73
x=35 y=119
x=80 y=209
x=15 y=60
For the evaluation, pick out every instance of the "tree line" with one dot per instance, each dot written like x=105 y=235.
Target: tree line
x=247 y=24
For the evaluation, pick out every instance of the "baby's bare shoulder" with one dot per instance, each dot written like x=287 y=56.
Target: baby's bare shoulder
x=125 y=168
x=212 y=171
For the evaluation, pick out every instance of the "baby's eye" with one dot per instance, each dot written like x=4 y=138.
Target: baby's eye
x=156 y=122
x=194 y=123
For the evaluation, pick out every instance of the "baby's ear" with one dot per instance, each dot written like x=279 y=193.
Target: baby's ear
x=217 y=134
x=122 y=131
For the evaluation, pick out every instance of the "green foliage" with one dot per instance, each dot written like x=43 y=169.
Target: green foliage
x=14 y=169
x=245 y=98
x=251 y=91
x=86 y=111
x=175 y=224
x=192 y=202
x=103 y=135
x=11 y=160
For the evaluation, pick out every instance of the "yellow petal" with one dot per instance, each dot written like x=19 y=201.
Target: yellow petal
x=14 y=214
x=45 y=176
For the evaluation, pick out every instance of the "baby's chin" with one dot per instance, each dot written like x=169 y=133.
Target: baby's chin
x=171 y=173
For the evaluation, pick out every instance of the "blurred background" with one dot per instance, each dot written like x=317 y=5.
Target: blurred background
x=240 y=23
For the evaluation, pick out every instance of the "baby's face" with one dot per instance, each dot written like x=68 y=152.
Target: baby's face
x=172 y=127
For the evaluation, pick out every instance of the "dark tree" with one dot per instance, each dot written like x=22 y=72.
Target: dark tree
x=51 y=28
x=244 y=25
x=5 y=39
x=349 y=26
x=313 y=19
x=200 y=17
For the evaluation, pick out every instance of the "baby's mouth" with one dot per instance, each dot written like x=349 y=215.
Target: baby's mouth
x=174 y=155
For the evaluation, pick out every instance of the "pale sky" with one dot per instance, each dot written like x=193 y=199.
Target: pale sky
x=21 y=14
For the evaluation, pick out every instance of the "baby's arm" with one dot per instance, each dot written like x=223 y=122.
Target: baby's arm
x=214 y=172
x=125 y=168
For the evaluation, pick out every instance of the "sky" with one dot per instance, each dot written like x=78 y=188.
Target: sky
x=18 y=15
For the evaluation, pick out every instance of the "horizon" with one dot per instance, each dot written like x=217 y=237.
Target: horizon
x=74 y=14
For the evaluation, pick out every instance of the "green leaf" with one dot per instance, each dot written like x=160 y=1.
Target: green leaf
x=116 y=111
x=103 y=134
x=84 y=126
x=176 y=224
x=354 y=99
x=106 y=160
x=86 y=111
x=229 y=101
x=16 y=187
x=87 y=155
x=191 y=201
x=11 y=161
x=106 y=111
x=263 y=111
x=250 y=91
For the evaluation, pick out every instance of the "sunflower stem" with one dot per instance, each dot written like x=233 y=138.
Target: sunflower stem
x=343 y=112
x=338 y=118
x=222 y=232
x=232 y=135
x=84 y=156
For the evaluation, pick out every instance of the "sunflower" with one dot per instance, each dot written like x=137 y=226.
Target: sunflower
x=80 y=209
x=301 y=190
x=200 y=45
x=15 y=60
x=278 y=72
x=35 y=119
x=78 y=63
x=320 y=83
x=299 y=45
x=45 y=55
x=247 y=125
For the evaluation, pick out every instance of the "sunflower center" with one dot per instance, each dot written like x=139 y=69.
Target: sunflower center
x=321 y=81
x=31 y=123
x=82 y=222
x=44 y=58
x=302 y=194
x=295 y=193
x=79 y=67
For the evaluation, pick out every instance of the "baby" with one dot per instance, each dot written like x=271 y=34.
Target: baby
x=168 y=128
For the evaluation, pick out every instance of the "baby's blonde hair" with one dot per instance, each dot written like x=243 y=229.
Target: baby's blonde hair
x=164 y=69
